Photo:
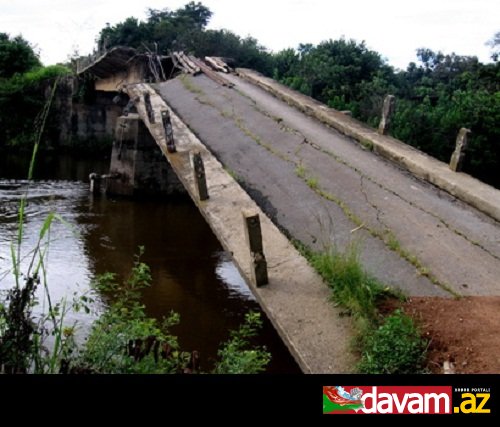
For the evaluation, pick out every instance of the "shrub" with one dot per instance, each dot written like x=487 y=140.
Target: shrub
x=395 y=347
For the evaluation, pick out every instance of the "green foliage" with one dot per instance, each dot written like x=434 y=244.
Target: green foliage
x=124 y=339
x=21 y=98
x=352 y=287
x=434 y=99
x=312 y=182
x=332 y=72
x=16 y=56
x=392 y=345
x=395 y=347
x=436 y=124
x=163 y=30
x=237 y=356
x=185 y=29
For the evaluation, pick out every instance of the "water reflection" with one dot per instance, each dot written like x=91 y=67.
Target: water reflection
x=229 y=275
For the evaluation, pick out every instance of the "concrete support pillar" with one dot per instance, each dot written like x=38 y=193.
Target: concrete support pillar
x=169 y=133
x=199 y=176
x=458 y=156
x=138 y=164
x=253 y=235
x=387 y=113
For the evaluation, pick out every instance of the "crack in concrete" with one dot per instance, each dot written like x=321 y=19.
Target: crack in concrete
x=373 y=205
x=364 y=176
x=399 y=196
x=403 y=253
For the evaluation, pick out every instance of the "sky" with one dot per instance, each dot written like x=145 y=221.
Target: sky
x=394 y=28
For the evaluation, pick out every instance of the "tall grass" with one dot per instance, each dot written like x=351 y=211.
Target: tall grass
x=391 y=345
x=22 y=339
x=351 y=285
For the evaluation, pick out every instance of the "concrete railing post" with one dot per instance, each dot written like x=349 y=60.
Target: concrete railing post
x=169 y=133
x=387 y=113
x=253 y=235
x=199 y=176
x=149 y=107
x=457 y=158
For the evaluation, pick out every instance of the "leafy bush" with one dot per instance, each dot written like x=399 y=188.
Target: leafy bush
x=124 y=339
x=395 y=347
x=392 y=345
x=21 y=98
x=237 y=356
x=434 y=99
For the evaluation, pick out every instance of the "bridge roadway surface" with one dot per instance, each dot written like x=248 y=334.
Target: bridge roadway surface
x=325 y=189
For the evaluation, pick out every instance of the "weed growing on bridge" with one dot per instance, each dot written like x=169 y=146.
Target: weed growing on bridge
x=312 y=183
x=395 y=347
x=300 y=171
x=190 y=86
x=352 y=287
x=392 y=345
x=386 y=236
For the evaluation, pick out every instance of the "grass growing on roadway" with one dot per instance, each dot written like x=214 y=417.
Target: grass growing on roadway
x=390 y=345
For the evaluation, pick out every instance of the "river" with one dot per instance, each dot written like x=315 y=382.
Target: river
x=192 y=275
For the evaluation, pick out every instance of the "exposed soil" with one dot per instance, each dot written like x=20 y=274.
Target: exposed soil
x=464 y=332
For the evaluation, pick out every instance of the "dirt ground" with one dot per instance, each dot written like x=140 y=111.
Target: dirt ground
x=464 y=332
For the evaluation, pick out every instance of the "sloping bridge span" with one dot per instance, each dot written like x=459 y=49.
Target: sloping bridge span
x=264 y=156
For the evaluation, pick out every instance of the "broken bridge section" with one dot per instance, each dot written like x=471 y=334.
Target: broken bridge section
x=248 y=158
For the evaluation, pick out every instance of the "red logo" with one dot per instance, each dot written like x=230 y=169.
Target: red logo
x=387 y=400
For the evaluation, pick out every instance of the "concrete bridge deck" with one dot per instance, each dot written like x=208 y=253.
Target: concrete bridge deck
x=323 y=189
x=296 y=299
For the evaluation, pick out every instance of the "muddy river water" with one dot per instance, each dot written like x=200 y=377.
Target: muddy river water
x=192 y=275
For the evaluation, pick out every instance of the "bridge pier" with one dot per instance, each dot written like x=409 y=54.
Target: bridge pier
x=139 y=166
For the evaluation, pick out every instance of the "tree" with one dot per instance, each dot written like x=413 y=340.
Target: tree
x=185 y=29
x=16 y=56
x=194 y=14
x=494 y=43
x=332 y=72
x=163 y=30
x=23 y=82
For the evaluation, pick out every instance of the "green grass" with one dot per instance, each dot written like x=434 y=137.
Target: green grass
x=233 y=175
x=391 y=345
x=392 y=242
x=313 y=183
x=367 y=144
x=352 y=287
x=300 y=171
x=395 y=347
x=189 y=85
